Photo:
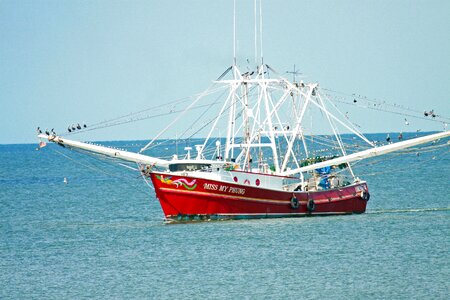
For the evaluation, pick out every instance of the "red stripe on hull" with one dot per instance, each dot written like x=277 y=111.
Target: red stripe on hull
x=187 y=196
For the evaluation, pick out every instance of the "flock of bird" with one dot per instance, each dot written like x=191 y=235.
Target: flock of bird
x=71 y=128
x=52 y=132
x=430 y=113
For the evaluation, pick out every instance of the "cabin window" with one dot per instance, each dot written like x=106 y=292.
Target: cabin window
x=189 y=167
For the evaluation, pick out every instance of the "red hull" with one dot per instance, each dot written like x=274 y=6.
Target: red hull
x=187 y=198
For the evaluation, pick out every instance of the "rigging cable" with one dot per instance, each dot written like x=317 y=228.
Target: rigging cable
x=397 y=106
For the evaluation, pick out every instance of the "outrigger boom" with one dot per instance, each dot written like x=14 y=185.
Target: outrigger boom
x=110 y=152
x=372 y=152
x=145 y=159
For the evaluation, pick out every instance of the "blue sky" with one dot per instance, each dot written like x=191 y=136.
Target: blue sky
x=86 y=61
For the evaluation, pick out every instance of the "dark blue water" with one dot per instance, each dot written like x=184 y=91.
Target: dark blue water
x=102 y=236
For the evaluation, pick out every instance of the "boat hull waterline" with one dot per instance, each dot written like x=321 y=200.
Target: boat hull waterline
x=185 y=198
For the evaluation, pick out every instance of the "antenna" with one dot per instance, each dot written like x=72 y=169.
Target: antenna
x=260 y=31
x=256 y=33
x=234 y=33
x=294 y=73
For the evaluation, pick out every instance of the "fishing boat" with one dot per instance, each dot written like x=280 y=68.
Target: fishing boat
x=258 y=159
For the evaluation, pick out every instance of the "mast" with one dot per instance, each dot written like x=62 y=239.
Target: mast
x=337 y=136
x=298 y=127
x=246 y=121
x=271 y=128
x=260 y=33
x=234 y=33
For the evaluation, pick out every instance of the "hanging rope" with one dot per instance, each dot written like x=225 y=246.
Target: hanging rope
x=376 y=102
x=378 y=106
x=431 y=148
x=90 y=166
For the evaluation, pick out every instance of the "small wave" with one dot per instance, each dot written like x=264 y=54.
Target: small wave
x=409 y=210
x=118 y=224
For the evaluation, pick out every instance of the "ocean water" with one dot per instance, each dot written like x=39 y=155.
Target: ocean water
x=102 y=236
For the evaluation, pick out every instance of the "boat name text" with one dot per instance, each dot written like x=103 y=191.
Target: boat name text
x=223 y=188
